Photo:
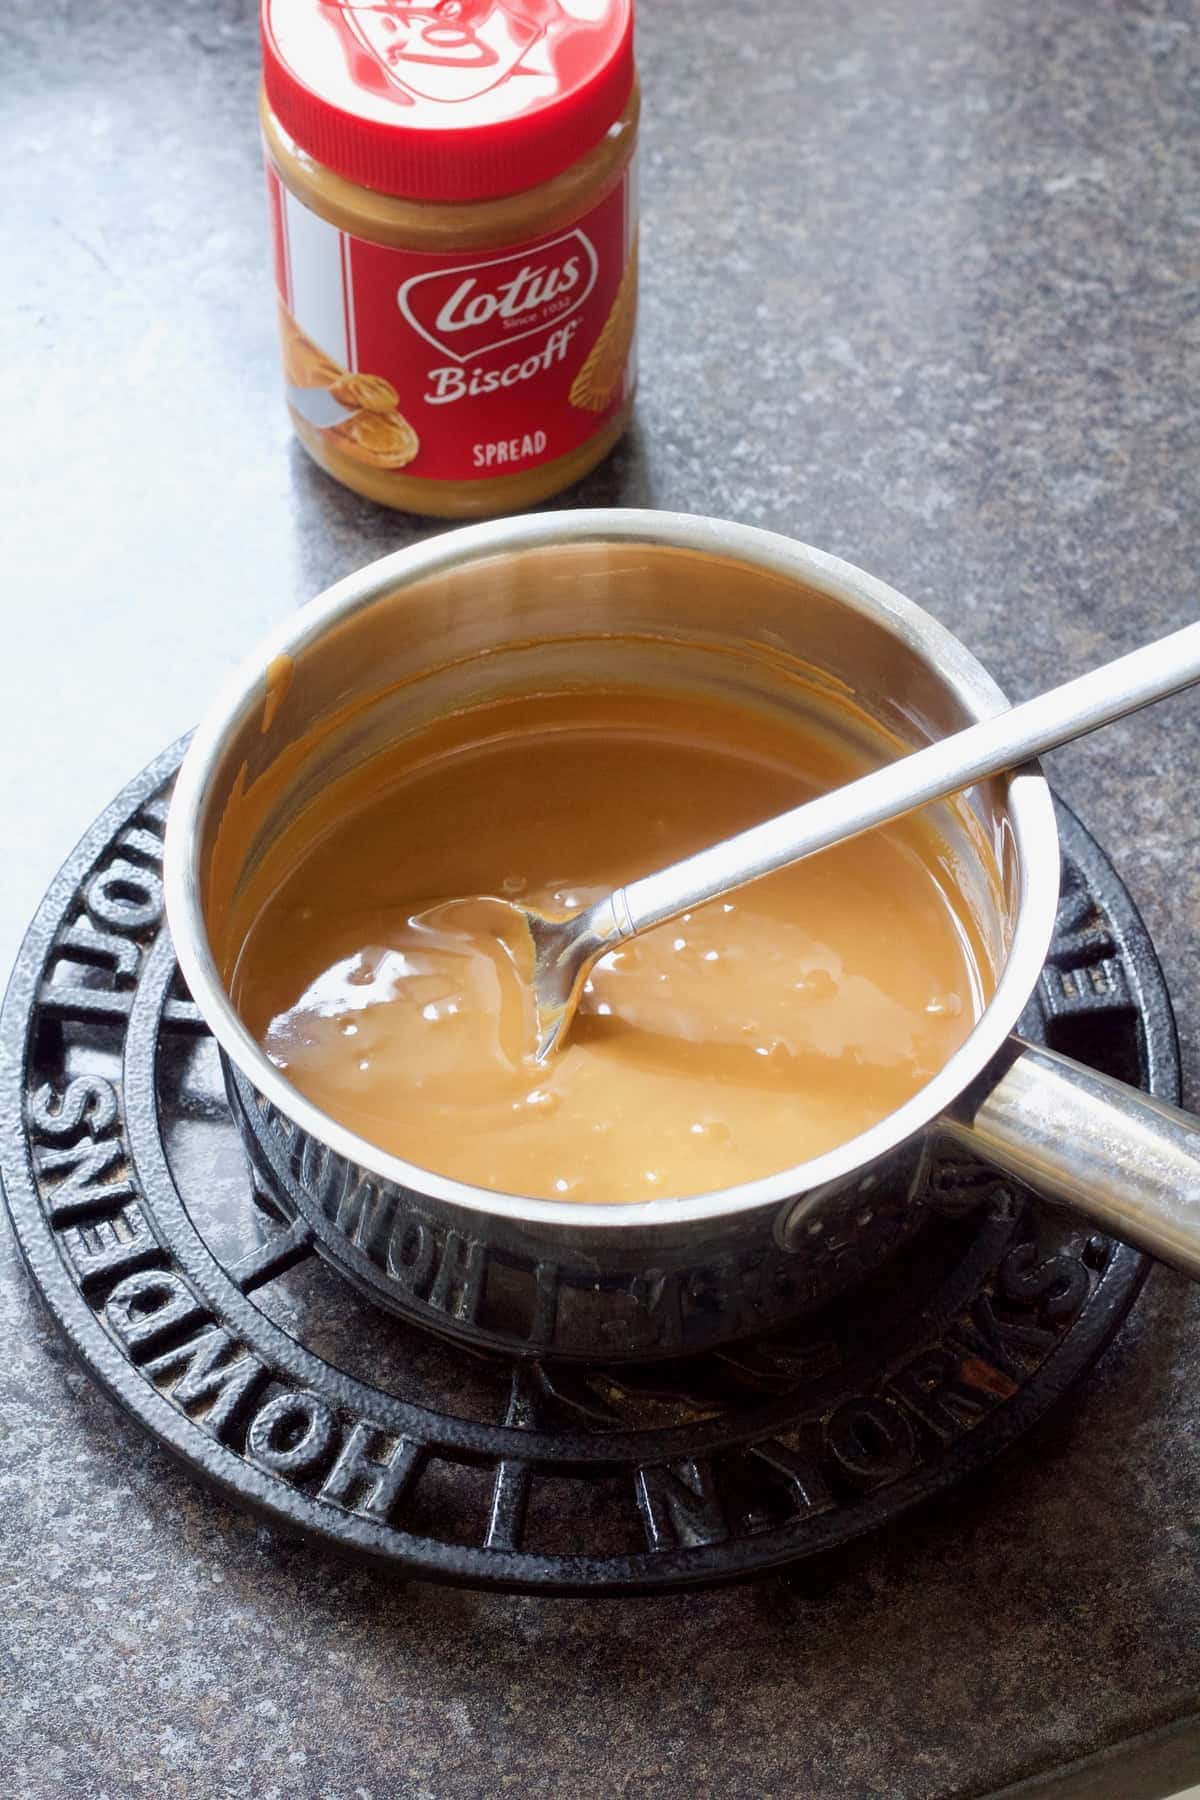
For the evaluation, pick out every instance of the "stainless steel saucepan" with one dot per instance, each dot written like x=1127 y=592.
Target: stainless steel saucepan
x=653 y=599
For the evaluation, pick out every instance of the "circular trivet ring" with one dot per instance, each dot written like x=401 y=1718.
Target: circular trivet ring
x=200 y=1315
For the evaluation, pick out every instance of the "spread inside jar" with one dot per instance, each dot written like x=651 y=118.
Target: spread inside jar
x=729 y=1044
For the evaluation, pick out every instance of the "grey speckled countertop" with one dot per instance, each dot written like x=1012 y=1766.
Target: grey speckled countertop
x=920 y=287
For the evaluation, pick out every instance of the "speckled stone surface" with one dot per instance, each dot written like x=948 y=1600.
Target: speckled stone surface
x=919 y=287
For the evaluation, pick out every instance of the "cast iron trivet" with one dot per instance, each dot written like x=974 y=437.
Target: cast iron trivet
x=221 y=1332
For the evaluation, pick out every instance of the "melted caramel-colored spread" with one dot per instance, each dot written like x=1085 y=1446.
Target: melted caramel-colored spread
x=734 y=1042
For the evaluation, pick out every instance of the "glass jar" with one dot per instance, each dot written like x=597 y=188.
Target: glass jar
x=454 y=217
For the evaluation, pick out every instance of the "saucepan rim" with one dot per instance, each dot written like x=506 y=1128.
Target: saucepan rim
x=1030 y=813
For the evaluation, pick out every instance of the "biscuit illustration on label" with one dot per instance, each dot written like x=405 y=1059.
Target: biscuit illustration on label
x=365 y=393
x=599 y=380
x=375 y=432
x=384 y=440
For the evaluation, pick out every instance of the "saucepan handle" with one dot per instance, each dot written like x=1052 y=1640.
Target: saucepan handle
x=1129 y=1164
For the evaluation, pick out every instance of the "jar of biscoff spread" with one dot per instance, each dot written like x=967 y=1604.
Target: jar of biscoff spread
x=454 y=215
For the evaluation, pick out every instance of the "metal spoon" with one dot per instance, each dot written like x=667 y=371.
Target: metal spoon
x=564 y=950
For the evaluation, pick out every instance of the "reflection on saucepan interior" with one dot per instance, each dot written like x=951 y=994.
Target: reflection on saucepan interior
x=736 y=1041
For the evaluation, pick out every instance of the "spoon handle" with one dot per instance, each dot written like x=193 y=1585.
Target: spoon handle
x=988 y=748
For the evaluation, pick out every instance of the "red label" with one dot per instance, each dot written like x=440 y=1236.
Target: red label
x=454 y=368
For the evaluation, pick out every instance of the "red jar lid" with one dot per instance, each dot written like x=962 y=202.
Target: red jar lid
x=447 y=99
